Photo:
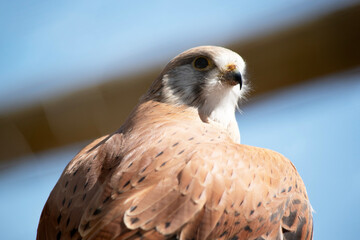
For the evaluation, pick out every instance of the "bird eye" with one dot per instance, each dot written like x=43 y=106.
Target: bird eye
x=201 y=63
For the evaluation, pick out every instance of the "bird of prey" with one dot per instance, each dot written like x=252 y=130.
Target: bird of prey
x=176 y=169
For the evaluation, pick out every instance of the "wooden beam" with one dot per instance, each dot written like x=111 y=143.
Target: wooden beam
x=315 y=48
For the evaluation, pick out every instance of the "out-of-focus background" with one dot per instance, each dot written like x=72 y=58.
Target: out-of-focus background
x=71 y=71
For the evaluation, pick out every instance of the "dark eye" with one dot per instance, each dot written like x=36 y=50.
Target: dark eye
x=201 y=63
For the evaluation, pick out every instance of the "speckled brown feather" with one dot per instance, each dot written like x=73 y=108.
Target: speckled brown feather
x=175 y=171
x=166 y=174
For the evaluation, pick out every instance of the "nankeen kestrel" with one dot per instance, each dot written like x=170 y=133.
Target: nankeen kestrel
x=176 y=170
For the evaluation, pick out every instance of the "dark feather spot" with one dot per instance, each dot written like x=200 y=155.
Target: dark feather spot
x=87 y=226
x=163 y=164
x=130 y=165
x=58 y=235
x=72 y=232
x=86 y=184
x=159 y=154
x=273 y=216
x=187 y=186
x=63 y=201
x=251 y=212
x=237 y=222
x=241 y=202
x=167 y=224
x=181 y=151
x=106 y=199
x=296 y=201
x=127 y=183
x=67 y=182
x=84 y=196
x=234 y=238
x=217 y=224
x=160 y=141
x=141 y=179
x=283 y=190
x=191 y=139
x=75 y=189
x=134 y=220
x=259 y=204
x=236 y=213
x=289 y=220
x=175 y=144
x=133 y=208
x=223 y=234
x=88 y=170
x=75 y=172
x=289 y=189
x=59 y=219
x=225 y=223
x=68 y=221
x=247 y=228
x=143 y=170
x=259 y=238
x=69 y=203
x=97 y=211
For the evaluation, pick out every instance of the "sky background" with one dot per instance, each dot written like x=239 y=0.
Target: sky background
x=48 y=48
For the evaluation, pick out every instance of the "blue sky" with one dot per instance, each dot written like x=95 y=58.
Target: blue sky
x=315 y=125
x=49 y=47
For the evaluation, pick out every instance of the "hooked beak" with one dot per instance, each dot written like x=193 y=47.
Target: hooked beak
x=234 y=77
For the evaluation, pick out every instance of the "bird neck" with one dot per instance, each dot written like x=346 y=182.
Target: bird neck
x=223 y=117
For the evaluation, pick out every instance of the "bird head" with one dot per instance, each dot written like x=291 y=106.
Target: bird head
x=208 y=78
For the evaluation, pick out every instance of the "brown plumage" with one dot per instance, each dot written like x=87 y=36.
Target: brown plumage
x=174 y=170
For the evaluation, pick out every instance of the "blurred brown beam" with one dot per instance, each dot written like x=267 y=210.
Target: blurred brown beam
x=315 y=48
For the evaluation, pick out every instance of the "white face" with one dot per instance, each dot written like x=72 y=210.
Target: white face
x=211 y=89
